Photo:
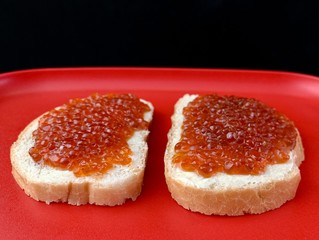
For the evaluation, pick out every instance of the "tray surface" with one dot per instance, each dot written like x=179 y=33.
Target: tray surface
x=24 y=95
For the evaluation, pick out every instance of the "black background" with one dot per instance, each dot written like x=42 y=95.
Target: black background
x=245 y=34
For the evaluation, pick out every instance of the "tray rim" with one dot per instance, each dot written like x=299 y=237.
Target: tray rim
x=161 y=69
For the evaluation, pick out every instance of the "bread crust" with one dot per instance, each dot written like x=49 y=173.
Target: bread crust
x=81 y=193
x=233 y=200
x=48 y=184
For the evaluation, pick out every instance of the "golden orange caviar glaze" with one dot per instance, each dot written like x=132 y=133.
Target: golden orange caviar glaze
x=89 y=135
x=234 y=135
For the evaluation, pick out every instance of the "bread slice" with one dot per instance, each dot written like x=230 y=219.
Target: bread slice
x=225 y=194
x=49 y=184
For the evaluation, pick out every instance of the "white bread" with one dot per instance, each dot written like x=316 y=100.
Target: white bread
x=224 y=194
x=48 y=184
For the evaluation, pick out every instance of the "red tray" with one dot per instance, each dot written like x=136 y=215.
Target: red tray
x=25 y=95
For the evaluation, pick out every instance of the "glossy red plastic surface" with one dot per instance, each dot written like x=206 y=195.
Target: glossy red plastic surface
x=25 y=95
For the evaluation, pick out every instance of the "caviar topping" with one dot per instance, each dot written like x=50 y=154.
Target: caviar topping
x=234 y=135
x=89 y=135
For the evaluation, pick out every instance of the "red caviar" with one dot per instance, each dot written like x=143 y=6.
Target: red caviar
x=89 y=135
x=234 y=135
